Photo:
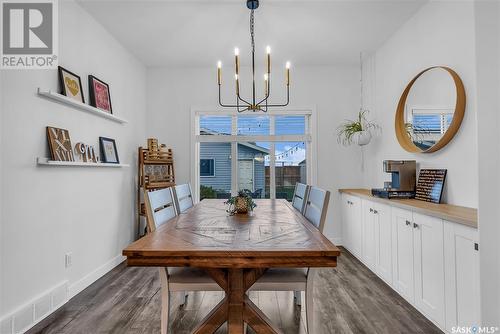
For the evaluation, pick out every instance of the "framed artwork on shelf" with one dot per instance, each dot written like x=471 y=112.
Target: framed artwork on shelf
x=99 y=94
x=109 y=153
x=430 y=185
x=71 y=84
x=59 y=144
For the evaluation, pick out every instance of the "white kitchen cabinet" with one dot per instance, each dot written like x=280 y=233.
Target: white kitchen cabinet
x=368 y=233
x=429 y=294
x=346 y=229
x=402 y=253
x=376 y=237
x=431 y=262
x=461 y=259
x=351 y=218
x=383 y=242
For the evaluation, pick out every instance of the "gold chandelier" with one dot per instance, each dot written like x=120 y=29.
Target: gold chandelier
x=253 y=104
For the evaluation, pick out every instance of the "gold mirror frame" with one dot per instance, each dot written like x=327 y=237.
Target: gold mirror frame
x=405 y=140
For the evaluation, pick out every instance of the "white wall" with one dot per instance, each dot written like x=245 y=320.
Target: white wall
x=332 y=90
x=52 y=211
x=441 y=33
x=488 y=105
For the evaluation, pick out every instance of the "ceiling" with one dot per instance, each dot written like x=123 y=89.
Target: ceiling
x=201 y=32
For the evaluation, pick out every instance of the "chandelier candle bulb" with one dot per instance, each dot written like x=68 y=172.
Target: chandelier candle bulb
x=219 y=69
x=237 y=60
x=266 y=83
x=288 y=73
x=268 y=51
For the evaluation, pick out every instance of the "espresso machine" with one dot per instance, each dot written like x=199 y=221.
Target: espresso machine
x=403 y=179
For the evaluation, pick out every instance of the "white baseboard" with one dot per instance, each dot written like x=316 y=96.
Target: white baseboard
x=41 y=306
x=336 y=241
x=26 y=316
x=90 y=278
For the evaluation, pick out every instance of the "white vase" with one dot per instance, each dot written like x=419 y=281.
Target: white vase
x=362 y=138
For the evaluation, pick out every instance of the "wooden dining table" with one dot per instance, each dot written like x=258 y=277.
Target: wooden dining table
x=235 y=250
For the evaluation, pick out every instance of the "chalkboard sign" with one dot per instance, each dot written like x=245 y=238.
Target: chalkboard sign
x=430 y=185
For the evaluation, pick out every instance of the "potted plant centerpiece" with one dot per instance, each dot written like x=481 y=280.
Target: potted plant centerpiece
x=240 y=204
x=357 y=131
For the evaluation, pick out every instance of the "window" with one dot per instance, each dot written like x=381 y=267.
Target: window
x=215 y=125
x=290 y=125
x=261 y=154
x=427 y=125
x=207 y=167
x=430 y=123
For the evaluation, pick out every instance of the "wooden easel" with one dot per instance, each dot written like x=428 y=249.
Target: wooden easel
x=155 y=171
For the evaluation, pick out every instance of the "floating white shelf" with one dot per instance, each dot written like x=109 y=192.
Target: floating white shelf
x=47 y=162
x=82 y=106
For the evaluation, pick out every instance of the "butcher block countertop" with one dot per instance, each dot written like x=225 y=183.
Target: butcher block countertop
x=453 y=213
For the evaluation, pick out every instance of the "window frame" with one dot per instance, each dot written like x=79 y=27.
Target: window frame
x=309 y=138
x=213 y=160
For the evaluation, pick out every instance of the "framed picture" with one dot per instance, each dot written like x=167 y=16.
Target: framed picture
x=99 y=94
x=59 y=144
x=430 y=185
x=109 y=153
x=71 y=84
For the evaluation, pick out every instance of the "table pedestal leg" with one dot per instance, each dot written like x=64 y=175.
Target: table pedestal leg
x=236 y=308
x=236 y=297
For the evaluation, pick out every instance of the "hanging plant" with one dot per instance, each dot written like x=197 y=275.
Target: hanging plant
x=357 y=131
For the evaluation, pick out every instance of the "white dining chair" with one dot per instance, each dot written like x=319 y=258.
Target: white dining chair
x=160 y=208
x=299 y=196
x=300 y=279
x=317 y=206
x=183 y=197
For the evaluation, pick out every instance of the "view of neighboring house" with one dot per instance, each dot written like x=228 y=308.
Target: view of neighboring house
x=254 y=174
x=215 y=169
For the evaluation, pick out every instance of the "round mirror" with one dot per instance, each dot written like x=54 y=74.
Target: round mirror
x=430 y=110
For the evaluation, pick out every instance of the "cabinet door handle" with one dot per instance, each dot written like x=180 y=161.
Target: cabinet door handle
x=375 y=211
x=476 y=246
x=371 y=210
x=415 y=225
x=408 y=223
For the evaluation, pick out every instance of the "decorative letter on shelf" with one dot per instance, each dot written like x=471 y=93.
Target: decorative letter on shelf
x=86 y=152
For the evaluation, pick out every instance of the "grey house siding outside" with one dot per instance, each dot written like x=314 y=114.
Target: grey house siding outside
x=221 y=153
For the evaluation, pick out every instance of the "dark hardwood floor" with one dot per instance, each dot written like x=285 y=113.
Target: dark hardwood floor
x=348 y=299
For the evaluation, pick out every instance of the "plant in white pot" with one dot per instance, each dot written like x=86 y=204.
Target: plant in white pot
x=359 y=131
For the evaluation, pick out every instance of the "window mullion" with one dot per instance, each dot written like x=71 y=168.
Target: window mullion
x=234 y=156
x=272 y=160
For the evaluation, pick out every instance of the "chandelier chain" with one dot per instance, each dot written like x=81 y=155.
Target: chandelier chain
x=252 y=33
